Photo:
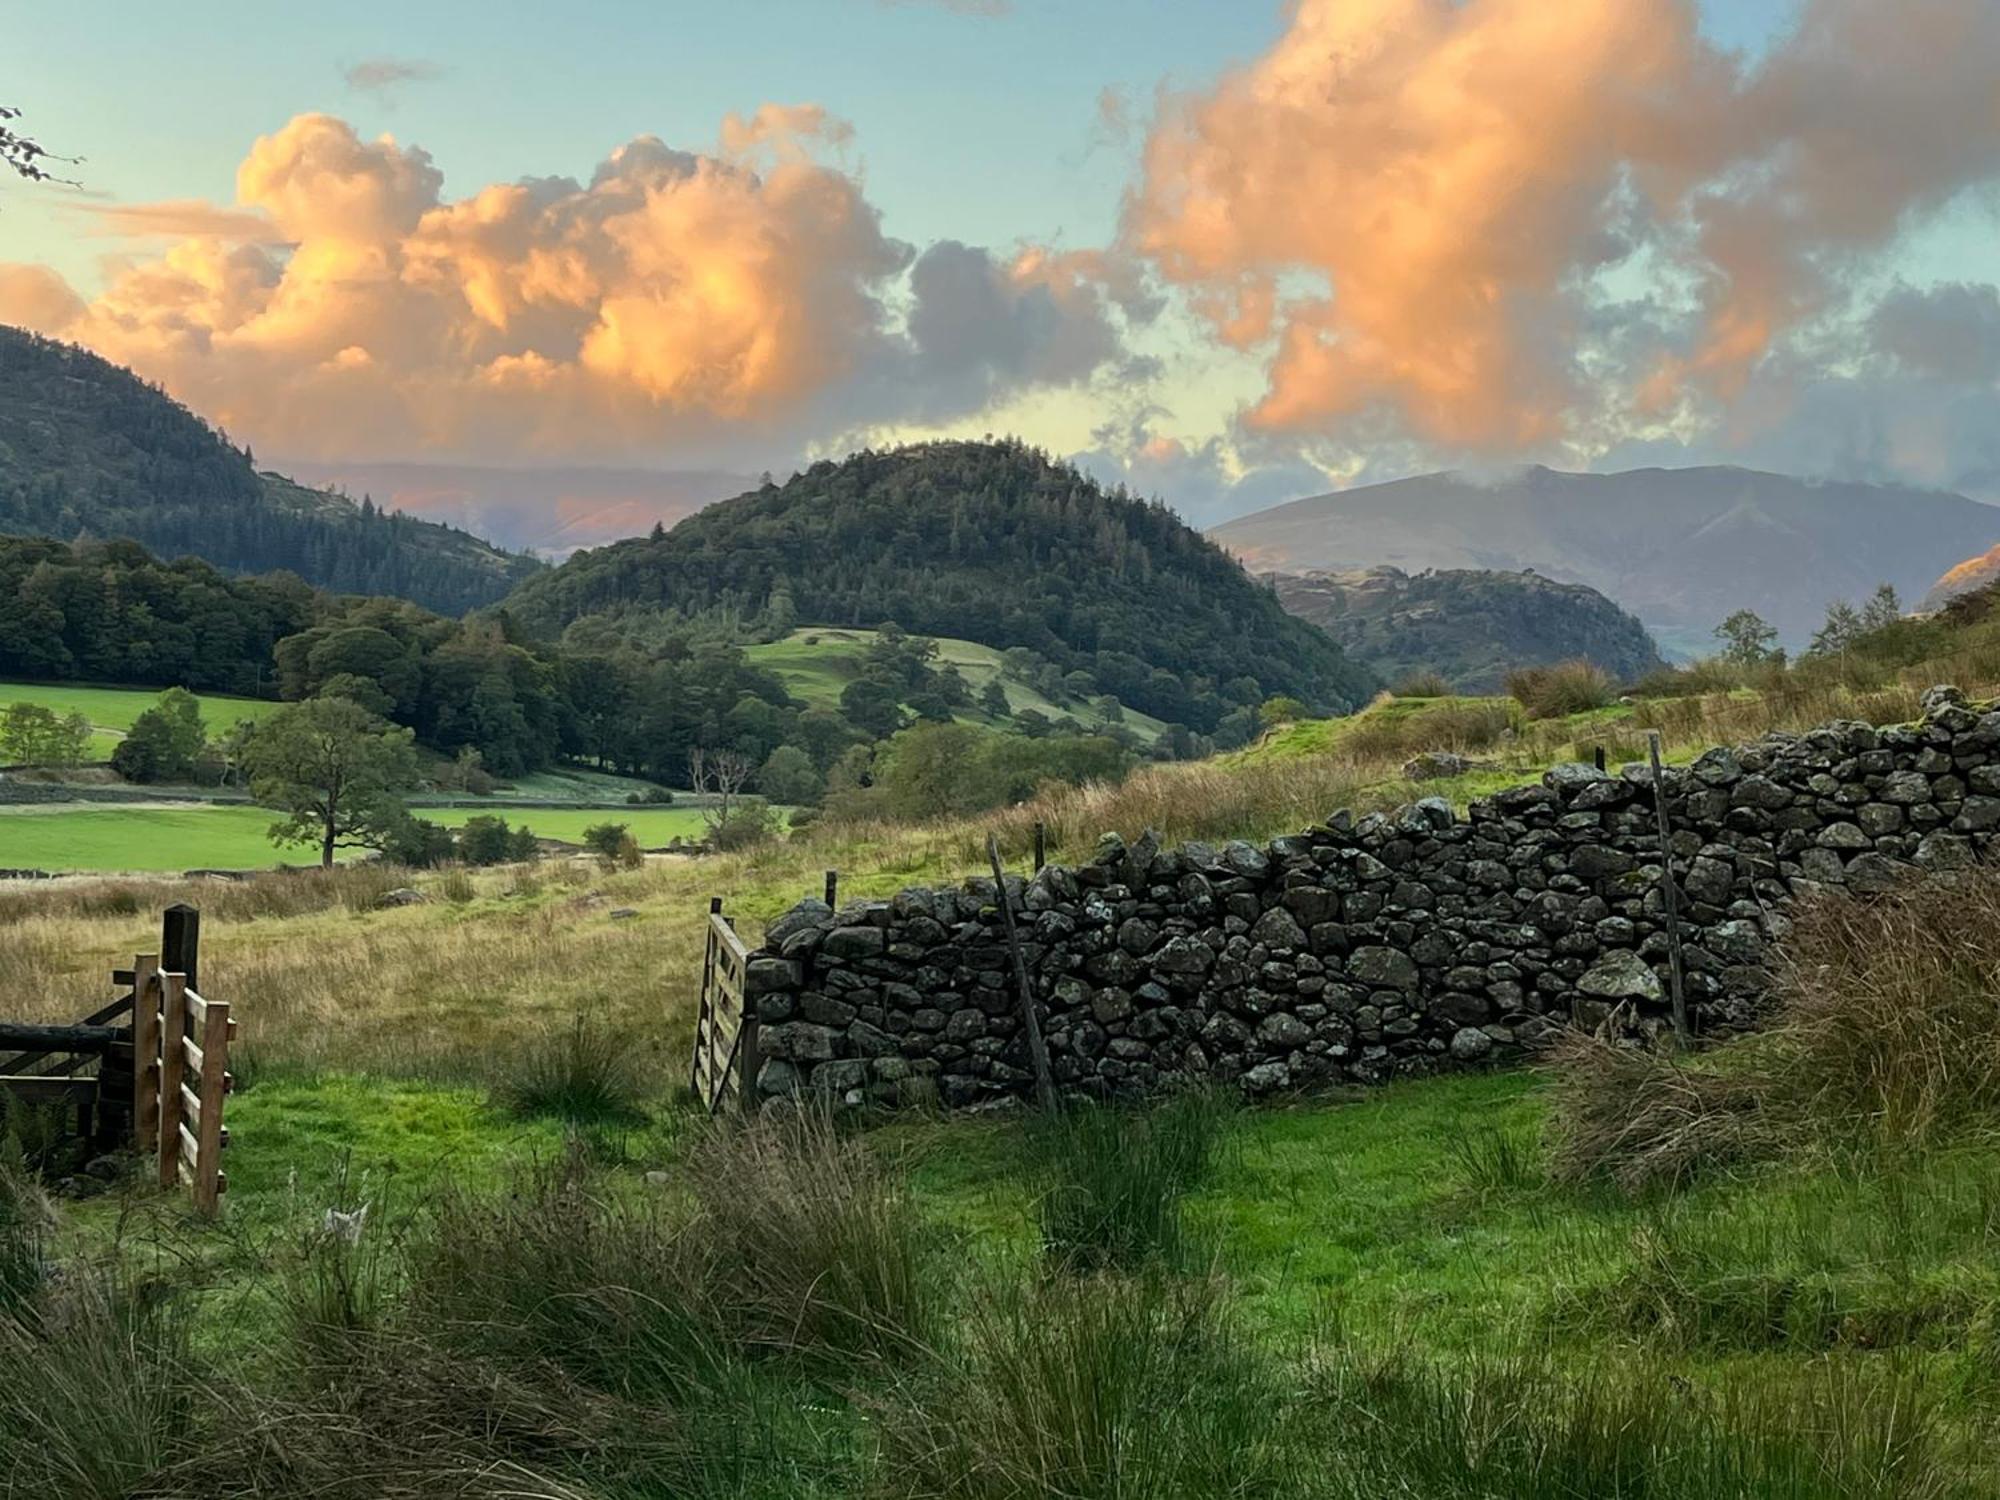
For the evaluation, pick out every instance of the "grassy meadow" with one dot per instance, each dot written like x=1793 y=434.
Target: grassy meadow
x=1771 y=1269
x=112 y=710
x=74 y=836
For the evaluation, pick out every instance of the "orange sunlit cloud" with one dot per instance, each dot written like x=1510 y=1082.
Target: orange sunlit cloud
x=344 y=305
x=1404 y=201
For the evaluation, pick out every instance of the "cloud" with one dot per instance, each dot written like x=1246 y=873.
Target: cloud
x=1411 y=208
x=385 y=75
x=177 y=218
x=706 y=307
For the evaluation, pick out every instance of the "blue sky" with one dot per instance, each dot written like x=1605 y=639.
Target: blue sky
x=1126 y=230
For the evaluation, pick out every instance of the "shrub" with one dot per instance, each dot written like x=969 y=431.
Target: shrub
x=418 y=843
x=1570 y=687
x=603 y=839
x=487 y=840
x=1113 y=1179
x=588 y=1074
x=747 y=825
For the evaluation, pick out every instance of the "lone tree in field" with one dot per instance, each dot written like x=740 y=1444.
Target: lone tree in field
x=1748 y=639
x=334 y=770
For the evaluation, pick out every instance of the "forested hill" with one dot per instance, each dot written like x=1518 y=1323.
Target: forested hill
x=988 y=542
x=1472 y=627
x=89 y=449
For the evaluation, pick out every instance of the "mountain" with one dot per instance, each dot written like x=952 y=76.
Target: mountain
x=1470 y=626
x=1680 y=548
x=987 y=542
x=552 y=510
x=89 y=449
x=1967 y=577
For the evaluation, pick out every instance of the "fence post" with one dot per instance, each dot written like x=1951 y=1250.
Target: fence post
x=180 y=943
x=145 y=1051
x=1670 y=893
x=209 y=1135
x=173 y=1074
x=1038 y=1052
x=1041 y=846
x=833 y=888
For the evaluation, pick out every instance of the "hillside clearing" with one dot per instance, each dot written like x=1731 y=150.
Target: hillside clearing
x=818 y=661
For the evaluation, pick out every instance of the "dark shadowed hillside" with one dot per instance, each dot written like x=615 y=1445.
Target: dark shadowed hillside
x=1680 y=548
x=1470 y=627
x=89 y=449
x=987 y=542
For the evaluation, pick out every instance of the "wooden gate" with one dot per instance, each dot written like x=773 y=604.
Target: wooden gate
x=725 y=1029
x=161 y=1076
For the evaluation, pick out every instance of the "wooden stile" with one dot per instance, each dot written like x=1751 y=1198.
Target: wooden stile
x=173 y=1075
x=146 y=1051
x=169 y=1067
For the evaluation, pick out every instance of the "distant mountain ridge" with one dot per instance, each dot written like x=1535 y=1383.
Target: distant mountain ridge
x=1680 y=548
x=987 y=542
x=1472 y=627
x=89 y=449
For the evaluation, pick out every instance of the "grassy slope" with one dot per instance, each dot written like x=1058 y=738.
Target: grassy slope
x=112 y=710
x=816 y=673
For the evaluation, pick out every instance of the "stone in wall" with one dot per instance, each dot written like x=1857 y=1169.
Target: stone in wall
x=1375 y=946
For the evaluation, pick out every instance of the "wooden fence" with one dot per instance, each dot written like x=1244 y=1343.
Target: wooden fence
x=161 y=1077
x=725 y=1030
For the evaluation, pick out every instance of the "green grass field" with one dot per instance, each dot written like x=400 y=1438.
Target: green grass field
x=818 y=661
x=73 y=836
x=112 y=710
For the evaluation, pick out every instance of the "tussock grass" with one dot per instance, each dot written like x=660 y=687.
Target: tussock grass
x=1104 y=1386
x=96 y=1387
x=1554 y=692
x=814 y=1242
x=1901 y=1254
x=1885 y=1034
x=587 y=1073
x=1112 y=1179
x=1543 y=1428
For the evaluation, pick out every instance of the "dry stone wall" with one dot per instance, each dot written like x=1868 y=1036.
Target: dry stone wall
x=1371 y=947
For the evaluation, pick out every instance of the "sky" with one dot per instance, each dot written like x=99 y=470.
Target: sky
x=1227 y=252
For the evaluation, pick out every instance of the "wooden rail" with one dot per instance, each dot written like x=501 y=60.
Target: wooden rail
x=726 y=1054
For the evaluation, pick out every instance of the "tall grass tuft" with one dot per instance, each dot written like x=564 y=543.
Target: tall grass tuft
x=588 y=1074
x=1885 y=1033
x=1425 y=682
x=96 y=1388
x=1644 y=1119
x=1095 y=1388
x=26 y=1221
x=1890 y=1009
x=563 y=1270
x=814 y=1244
x=1554 y=692
x=1538 y=1428
x=1113 y=1179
